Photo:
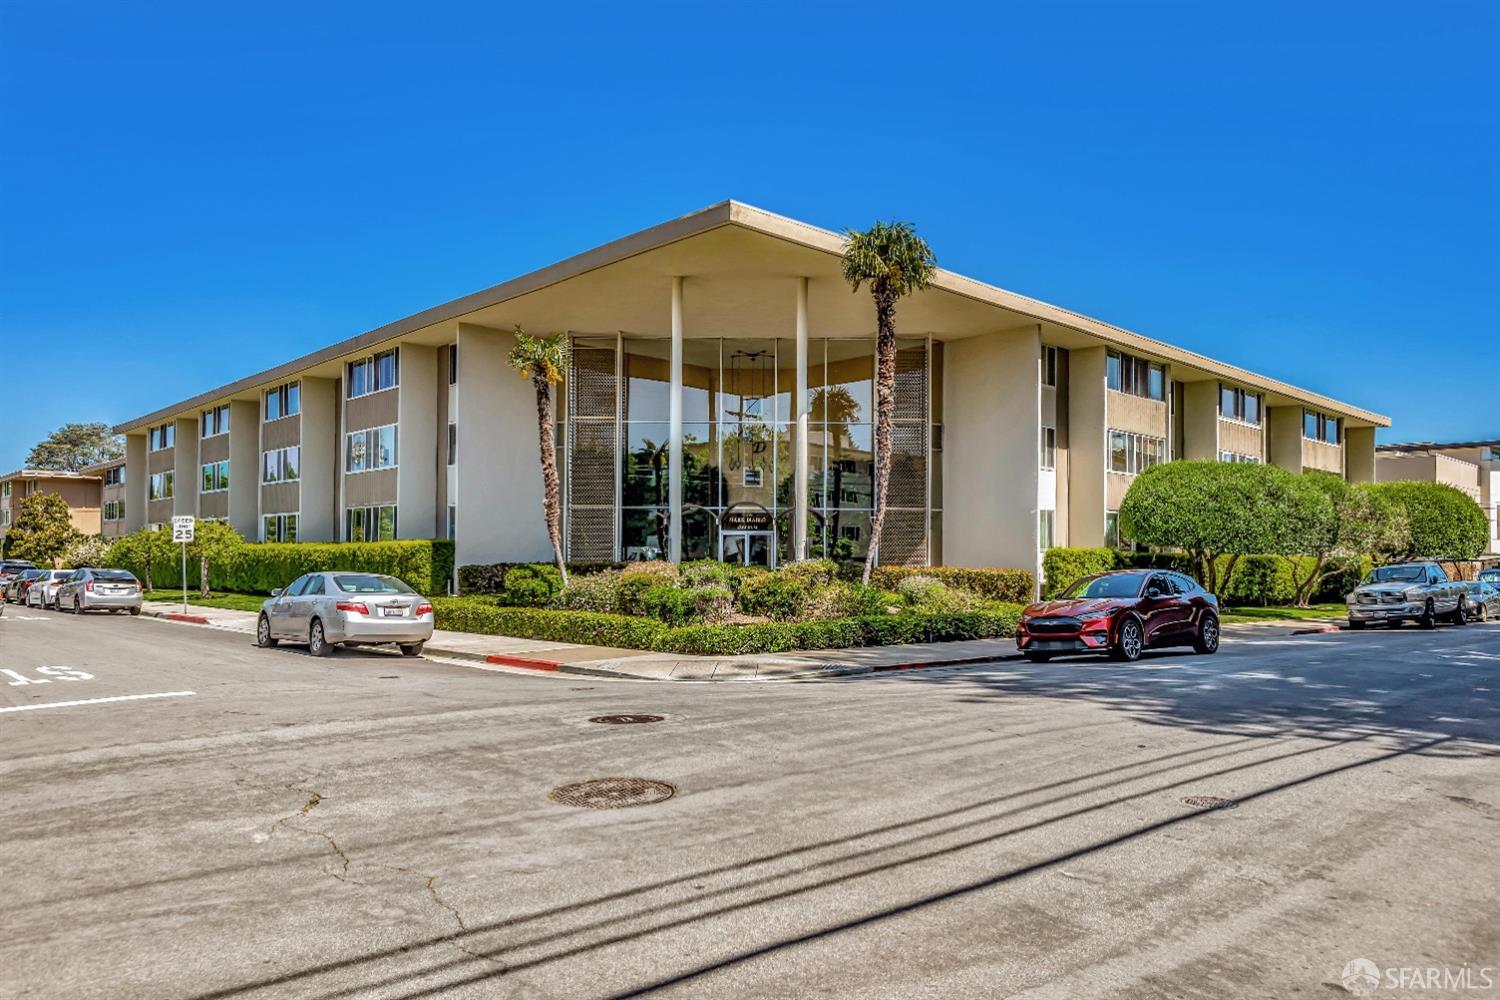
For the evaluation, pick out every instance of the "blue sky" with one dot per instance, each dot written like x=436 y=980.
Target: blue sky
x=192 y=192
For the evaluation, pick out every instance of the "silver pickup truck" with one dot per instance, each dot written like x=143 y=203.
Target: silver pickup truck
x=1420 y=592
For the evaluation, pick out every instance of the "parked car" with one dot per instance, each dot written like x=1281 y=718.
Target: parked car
x=1490 y=576
x=43 y=590
x=1122 y=614
x=92 y=589
x=1484 y=601
x=14 y=589
x=331 y=609
x=1419 y=592
x=11 y=568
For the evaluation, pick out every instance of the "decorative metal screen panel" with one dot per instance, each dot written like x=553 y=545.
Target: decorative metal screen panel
x=903 y=542
x=592 y=442
x=911 y=383
x=908 y=486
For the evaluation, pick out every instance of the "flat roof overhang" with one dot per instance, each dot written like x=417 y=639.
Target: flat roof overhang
x=737 y=263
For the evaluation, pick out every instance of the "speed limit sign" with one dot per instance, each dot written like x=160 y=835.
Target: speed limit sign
x=182 y=528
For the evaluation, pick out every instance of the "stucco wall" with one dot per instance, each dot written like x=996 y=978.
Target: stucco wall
x=418 y=450
x=1284 y=437
x=991 y=441
x=1359 y=454
x=244 y=467
x=320 y=461
x=380 y=408
x=189 y=474
x=499 y=482
x=135 y=481
x=1137 y=414
x=1088 y=444
x=1322 y=455
x=1200 y=421
x=1243 y=439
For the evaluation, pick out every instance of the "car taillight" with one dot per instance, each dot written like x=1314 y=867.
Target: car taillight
x=89 y=586
x=424 y=609
x=357 y=607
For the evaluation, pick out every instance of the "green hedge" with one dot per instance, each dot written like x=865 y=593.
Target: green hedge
x=484 y=616
x=1012 y=586
x=255 y=568
x=489 y=578
x=1064 y=566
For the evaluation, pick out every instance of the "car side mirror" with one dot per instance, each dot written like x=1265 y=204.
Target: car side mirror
x=1152 y=593
x=276 y=592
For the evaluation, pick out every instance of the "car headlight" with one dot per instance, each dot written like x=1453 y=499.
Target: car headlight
x=1094 y=616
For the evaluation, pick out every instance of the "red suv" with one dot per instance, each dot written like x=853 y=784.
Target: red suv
x=1122 y=614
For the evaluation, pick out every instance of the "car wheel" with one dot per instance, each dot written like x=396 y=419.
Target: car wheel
x=1429 y=616
x=412 y=648
x=1356 y=625
x=1482 y=613
x=317 y=642
x=77 y=607
x=1461 y=613
x=1208 y=635
x=263 y=637
x=134 y=612
x=1038 y=657
x=1130 y=641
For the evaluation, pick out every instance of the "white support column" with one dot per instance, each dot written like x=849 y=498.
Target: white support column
x=674 y=430
x=799 y=408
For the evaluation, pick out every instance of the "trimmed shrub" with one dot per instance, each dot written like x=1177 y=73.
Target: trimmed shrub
x=772 y=595
x=598 y=592
x=671 y=605
x=1260 y=581
x=489 y=578
x=532 y=586
x=258 y=568
x=712 y=605
x=811 y=573
x=1061 y=567
x=484 y=617
x=1015 y=586
x=707 y=573
x=847 y=600
x=1445 y=523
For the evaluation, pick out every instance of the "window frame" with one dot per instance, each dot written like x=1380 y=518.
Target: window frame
x=1046 y=529
x=371 y=517
x=282 y=521
x=1049 y=366
x=1049 y=448
x=167 y=490
x=213 y=422
x=1321 y=424
x=282 y=465
x=162 y=437
x=1135 y=376
x=1134 y=453
x=369 y=438
x=288 y=401
x=369 y=369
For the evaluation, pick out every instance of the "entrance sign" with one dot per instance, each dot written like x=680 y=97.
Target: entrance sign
x=747 y=519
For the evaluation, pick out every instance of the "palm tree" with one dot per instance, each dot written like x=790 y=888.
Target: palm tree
x=543 y=360
x=896 y=262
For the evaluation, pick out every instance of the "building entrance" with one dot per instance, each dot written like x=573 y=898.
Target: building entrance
x=748 y=548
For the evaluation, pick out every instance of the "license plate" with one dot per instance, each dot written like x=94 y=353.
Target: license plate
x=392 y=612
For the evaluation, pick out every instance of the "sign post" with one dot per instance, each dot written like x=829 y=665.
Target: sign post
x=182 y=531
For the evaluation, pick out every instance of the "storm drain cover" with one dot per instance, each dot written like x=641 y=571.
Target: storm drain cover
x=626 y=720
x=1209 y=802
x=612 y=793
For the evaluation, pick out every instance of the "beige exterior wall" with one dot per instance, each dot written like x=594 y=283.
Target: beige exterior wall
x=116 y=494
x=991 y=442
x=1088 y=444
x=244 y=467
x=214 y=505
x=282 y=432
x=1054 y=410
x=189 y=473
x=1322 y=456
x=214 y=449
x=378 y=486
x=445 y=412
x=135 y=481
x=280 y=498
x=1200 y=421
x=1284 y=437
x=379 y=408
x=322 y=457
x=1137 y=414
x=1242 y=439
x=1430 y=469
x=1359 y=454
x=160 y=461
x=418 y=451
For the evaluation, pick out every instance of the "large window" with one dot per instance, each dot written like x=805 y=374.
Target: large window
x=282 y=465
x=370 y=449
x=1049 y=447
x=278 y=528
x=114 y=510
x=1239 y=404
x=216 y=421
x=283 y=401
x=160 y=487
x=1320 y=427
x=115 y=476
x=373 y=374
x=1131 y=453
x=1135 y=376
x=370 y=524
x=163 y=437
x=216 y=477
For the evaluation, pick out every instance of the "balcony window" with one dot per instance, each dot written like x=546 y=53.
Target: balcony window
x=161 y=486
x=370 y=449
x=216 y=477
x=373 y=374
x=283 y=401
x=1046 y=522
x=1135 y=376
x=282 y=465
x=1239 y=404
x=1049 y=366
x=1321 y=427
x=370 y=524
x=216 y=421
x=163 y=437
x=1131 y=453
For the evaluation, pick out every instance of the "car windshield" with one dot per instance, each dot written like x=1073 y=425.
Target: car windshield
x=1114 y=585
x=371 y=584
x=113 y=574
x=1396 y=574
x=60 y=574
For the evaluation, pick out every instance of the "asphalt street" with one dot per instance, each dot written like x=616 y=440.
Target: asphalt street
x=186 y=816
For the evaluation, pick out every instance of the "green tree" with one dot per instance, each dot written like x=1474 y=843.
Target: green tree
x=1444 y=522
x=896 y=262
x=87 y=550
x=214 y=544
x=145 y=553
x=1364 y=524
x=543 y=360
x=1212 y=509
x=74 y=446
x=42 y=529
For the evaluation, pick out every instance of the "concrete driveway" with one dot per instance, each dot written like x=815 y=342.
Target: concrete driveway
x=189 y=816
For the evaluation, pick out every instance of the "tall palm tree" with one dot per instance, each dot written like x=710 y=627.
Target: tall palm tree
x=543 y=360
x=896 y=262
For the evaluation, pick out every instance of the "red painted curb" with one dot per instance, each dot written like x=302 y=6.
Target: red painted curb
x=193 y=619
x=522 y=661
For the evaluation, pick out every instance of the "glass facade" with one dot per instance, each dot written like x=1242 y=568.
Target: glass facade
x=739 y=449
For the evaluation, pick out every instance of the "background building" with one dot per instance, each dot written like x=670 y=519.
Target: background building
x=720 y=402
x=79 y=489
x=111 y=496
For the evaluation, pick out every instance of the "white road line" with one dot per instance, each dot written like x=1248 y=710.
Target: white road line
x=97 y=701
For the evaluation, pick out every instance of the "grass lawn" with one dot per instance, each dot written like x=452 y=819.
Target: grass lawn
x=1273 y=614
x=234 y=602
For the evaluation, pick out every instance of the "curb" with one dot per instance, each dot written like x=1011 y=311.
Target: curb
x=178 y=616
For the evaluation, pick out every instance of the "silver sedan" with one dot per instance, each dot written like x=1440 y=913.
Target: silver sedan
x=43 y=591
x=92 y=589
x=329 y=609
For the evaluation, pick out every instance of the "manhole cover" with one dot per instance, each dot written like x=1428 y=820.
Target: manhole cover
x=612 y=793
x=1209 y=802
x=626 y=720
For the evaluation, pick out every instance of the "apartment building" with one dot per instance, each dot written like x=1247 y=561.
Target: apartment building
x=720 y=402
x=111 y=476
x=79 y=489
x=1471 y=466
